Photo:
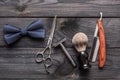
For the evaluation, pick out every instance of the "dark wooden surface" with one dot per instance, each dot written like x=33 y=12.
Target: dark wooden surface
x=17 y=61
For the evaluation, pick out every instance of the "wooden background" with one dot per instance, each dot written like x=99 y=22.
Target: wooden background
x=17 y=62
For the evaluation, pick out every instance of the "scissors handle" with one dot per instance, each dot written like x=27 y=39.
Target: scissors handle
x=48 y=62
x=46 y=68
x=39 y=57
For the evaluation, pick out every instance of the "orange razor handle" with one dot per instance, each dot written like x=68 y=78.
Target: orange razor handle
x=102 y=49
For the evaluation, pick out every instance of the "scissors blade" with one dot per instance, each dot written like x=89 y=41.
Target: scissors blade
x=52 y=30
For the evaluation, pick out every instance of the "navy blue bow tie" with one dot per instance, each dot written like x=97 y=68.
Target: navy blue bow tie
x=12 y=33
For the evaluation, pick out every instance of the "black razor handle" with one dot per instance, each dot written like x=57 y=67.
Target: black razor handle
x=83 y=61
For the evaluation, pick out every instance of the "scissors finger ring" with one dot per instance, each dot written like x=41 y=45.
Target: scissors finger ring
x=48 y=62
x=39 y=57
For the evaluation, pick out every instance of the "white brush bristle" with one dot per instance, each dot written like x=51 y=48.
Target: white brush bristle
x=80 y=41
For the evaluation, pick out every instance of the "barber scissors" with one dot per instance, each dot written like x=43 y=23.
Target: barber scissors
x=40 y=56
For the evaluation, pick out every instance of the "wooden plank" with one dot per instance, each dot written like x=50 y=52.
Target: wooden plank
x=66 y=27
x=19 y=63
x=62 y=8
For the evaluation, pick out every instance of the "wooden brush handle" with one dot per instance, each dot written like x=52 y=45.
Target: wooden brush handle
x=102 y=49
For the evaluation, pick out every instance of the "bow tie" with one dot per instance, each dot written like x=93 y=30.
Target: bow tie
x=34 y=30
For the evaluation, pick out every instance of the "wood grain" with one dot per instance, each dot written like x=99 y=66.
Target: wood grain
x=66 y=27
x=19 y=63
x=49 y=8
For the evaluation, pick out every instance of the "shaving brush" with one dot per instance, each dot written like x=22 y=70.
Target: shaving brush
x=80 y=41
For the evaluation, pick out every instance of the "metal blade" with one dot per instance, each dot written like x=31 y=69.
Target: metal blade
x=95 y=46
x=96 y=31
x=53 y=28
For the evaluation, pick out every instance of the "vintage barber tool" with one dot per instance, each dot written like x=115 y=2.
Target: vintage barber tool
x=99 y=44
x=34 y=30
x=95 y=46
x=65 y=51
x=102 y=50
x=80 y=41
x=40 y=56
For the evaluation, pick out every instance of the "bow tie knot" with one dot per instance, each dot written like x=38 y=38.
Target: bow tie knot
x=23 y=32
x=12 y=33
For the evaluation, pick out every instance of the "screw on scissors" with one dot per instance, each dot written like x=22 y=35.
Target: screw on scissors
x=40 y=56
